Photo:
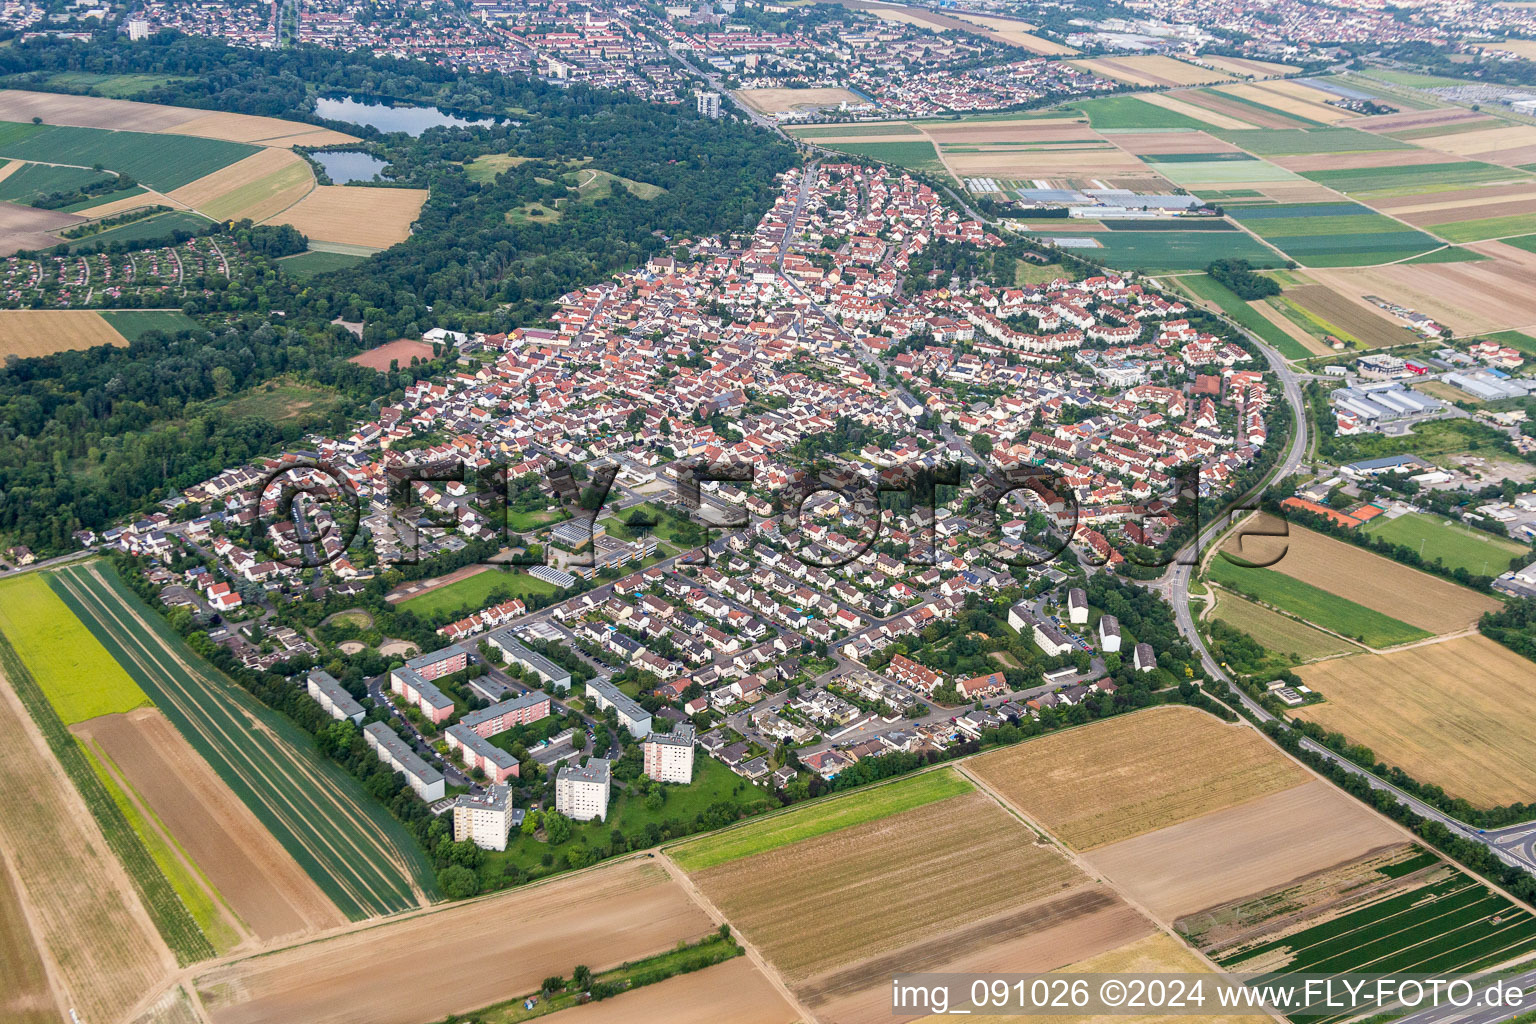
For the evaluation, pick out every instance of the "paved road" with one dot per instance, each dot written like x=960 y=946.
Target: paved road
x=1478 y=1014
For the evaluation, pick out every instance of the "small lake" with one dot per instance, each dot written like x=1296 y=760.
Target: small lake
x=344 y=166
x=391 y=117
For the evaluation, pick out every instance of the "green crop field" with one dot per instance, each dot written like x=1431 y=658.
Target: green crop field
x=833 y=131
x=76 y=673
x=1448 y=254
x=918 y=156
x=1315 y=605
x=1295 y=142
x=116 y=87
x=1127 y=113
x=1455 y=545
x=170 y=916
x=1486 y=227
x=1277 y=633
x=816 y=818
x=133 y=324
x=1333 y=234
x=1514 y=339
x=1207 y=287
x=1275 y=112
x=34 y=181
x=469 y=595
x=1176 y=250
x=159 y=228
x=308 y=264
x=1452 y=924
x=163 y=162
x=1218 y=172
x=1413 y=179
x=358 y=854
x=105 y=198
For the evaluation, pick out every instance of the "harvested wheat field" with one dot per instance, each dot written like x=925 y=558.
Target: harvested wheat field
x=41 y=332
x=1400 y=206
x=1042 y=936
x=1290 y=98
x=781 y=101
x=1016 y=32
x=1152 y=71
x=733 y=991
x=1255 y=117
x=1470 y=298
x=932 y=868
x=256 y=877
x=72 y=887
x=1243 y=66
x=1156 y=953
x=1412 y=120
x=258 y=131
x=91 y=111
x=149 y=197
x=1358 y=575
x=25 y=997
x=356 y=215
x=498 y=947
x=23 y=227
x=1310 y=342
x=1455 y=713
x=1506 y=144
x=1128 y=775
x=1243 y=849
x=260 y=186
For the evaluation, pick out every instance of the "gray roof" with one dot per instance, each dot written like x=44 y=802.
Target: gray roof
x=680 y=736
x=335 y=692
x=507 y=641
x=595 y=770
x=402 y=754
x=621 y=701
x=483 y=747
x=428 y=690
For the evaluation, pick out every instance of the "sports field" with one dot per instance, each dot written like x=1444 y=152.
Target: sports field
x=1452 y=713
x=1454 y=545
x=359 y=855
x=1118 y=778
x=79 y=677
x=817 y=818
x=472 y=593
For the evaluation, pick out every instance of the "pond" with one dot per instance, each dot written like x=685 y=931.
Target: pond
x=390 y=117
x=344 y=166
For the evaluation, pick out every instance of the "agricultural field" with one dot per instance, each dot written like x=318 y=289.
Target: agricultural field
x=317 y=261
x=25 y=996
x=1314 y=604
x=1247 y=314
x=39 y=332
x=163 y=162
x=76 y=674
x=917 y=156
x=72 y=884
x=1010 y=31
x=162 y=227
x=1323 y=312
x=781 y=101
x=359 y=855
x=1152 y=71
x=1480 y=297
x=355 y=215
x=1452 y=713
x=602 y=918
x=1409 y=179
x=847 y=131
x=258 y=187
x=1119 y=778
x=1434 y=920
x=820 y=817
x=1333 y=234
x=1454 y=545
x=23 y=182
x=1171 y=250
x=20 y=105
x=1278 y=633
x=1136 y=113
x=22 y=227
x=133 y=324
x=242 y=867
x=1354 y=574
x=1246 y=848
x=734 y=991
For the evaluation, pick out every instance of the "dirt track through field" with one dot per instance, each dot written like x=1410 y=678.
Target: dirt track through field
x=260 y=881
